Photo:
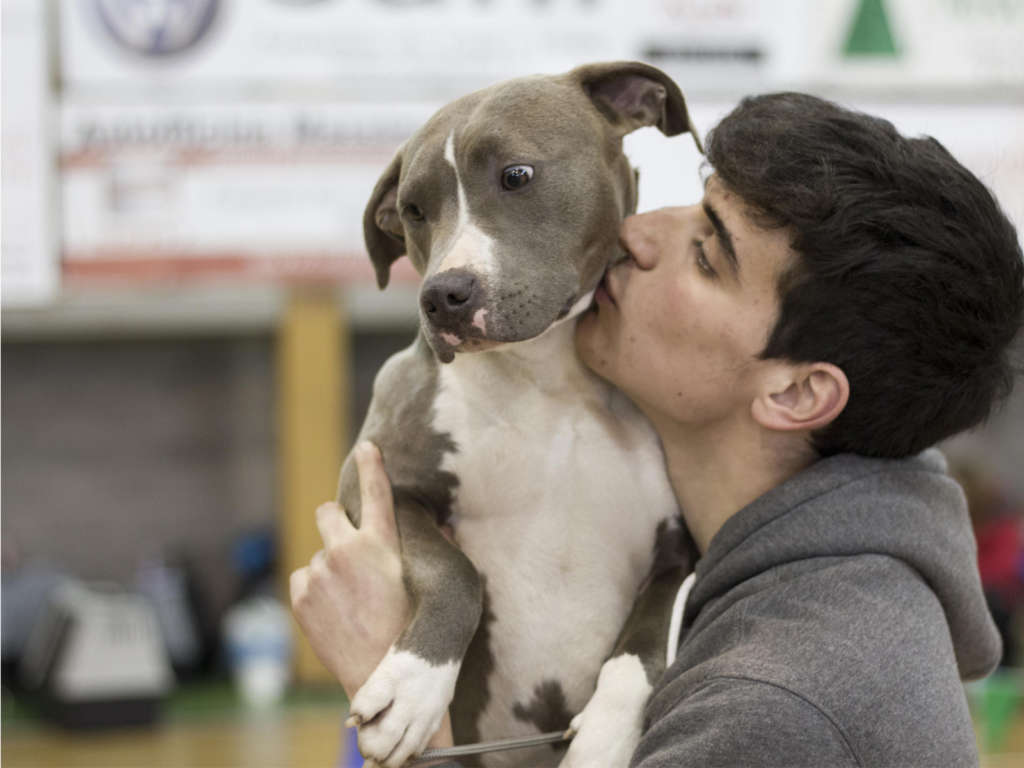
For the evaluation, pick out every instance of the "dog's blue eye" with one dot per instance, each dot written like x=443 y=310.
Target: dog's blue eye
x=516 y=176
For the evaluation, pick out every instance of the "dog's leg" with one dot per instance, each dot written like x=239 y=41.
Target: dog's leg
x=609 y=727
x=403 y=702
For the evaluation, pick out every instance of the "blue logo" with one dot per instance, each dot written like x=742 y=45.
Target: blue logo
x=157 y=27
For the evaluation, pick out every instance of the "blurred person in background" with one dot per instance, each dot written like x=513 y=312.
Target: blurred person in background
x=998 y=521
x=841 y=299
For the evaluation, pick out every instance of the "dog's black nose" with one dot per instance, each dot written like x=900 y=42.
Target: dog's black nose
x=448 y=298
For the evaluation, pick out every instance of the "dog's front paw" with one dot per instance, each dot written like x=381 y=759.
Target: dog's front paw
x=608 y=728
x=401 y=706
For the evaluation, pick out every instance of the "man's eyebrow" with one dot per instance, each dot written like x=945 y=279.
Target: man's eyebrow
x=723 y=235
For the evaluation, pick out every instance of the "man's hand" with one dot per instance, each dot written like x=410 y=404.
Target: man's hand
x=350 y=600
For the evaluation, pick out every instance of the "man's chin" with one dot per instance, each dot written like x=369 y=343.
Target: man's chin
x=590 y=347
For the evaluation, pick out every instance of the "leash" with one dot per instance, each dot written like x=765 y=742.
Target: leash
x=491 y=746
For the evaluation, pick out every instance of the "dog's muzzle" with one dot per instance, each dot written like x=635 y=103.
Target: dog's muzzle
x=452 y=305
x=450 y=299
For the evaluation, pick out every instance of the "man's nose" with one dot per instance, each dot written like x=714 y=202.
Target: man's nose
x=642 y=236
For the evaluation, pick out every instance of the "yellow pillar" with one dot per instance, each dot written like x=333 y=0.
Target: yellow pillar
x=313 y=391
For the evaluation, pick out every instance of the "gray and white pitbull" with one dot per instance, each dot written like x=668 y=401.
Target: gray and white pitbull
x=551 y=605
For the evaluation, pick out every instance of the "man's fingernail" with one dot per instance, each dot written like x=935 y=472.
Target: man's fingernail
x=354 y=721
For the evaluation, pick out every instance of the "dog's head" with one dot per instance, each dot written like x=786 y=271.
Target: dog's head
x=508 y=201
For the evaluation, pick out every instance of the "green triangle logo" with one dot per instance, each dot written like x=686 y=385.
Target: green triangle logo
x=870 y=34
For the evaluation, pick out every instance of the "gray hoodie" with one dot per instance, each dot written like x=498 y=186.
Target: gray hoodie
x=830 y=624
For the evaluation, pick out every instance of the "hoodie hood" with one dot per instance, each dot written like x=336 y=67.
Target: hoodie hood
x=909 y=509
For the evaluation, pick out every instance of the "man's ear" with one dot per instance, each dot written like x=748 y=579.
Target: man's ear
x=382 y=227
x=631 y=95
x=801 y=396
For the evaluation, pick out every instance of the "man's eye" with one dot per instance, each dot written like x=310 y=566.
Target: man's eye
x=516 y=176
x=702 y=259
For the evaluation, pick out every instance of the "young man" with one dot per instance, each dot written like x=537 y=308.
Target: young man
x=841 y=299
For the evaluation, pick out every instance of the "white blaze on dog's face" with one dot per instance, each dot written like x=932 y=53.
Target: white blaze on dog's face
x=470 y=248
x=508 y=201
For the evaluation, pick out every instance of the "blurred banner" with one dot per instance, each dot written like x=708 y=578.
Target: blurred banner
x=242 y=137
x=408 y=49
x=271 y=190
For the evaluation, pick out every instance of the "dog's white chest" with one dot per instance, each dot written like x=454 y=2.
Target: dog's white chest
x=561 y=490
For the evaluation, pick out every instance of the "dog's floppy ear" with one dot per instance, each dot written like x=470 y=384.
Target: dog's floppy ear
x=382 y=228
x=631 y=95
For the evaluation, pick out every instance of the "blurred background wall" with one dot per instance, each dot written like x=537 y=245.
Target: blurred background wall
x=179 y=176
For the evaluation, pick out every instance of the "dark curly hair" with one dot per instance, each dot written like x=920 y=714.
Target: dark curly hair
x=908 y=275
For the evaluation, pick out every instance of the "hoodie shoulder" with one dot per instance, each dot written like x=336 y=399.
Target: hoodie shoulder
x=861 y=641
x=855 y=585
x=910 y=510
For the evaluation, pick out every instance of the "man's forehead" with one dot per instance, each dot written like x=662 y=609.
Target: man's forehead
x=733 y=209
x=757 y=240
